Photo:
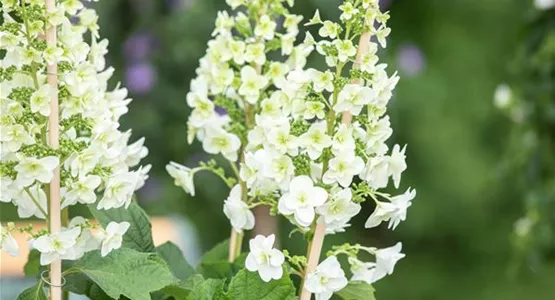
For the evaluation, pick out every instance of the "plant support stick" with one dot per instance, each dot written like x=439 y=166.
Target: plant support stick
x=53 y=134
x=315 y=246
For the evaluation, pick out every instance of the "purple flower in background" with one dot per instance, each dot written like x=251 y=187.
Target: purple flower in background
x=221 y=111
x=384 y=4
x=177 y=4
x=150 y=190
x=411 y=60
x=140 y=77
x=138 y=46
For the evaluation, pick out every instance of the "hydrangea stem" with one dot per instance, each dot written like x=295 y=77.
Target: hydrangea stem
x=53 y=135
x=315 y=245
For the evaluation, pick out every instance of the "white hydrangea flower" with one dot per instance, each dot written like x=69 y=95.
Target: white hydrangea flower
x=82 y=191
x=14 y=136
x=31 y=169
x=338 y=211
x=113 y=237
x=397 y=164
x=345 y=49
x=87 y=240
x=326 y=279
x=343 y=168
x=30 y=202
x=353 y=98
x=278 y=167
x=383 y=212
x=183 y=177
x=265 y=28
x=119 y=191
x=251 y=84
x=402 y=203
x=7 y=242
x=56 y=245
x=329 y=29
x=301 y=199
x=348 y=10
x=322 y=80
x=265 y=259
x=237 y=211
x=218 y=140
x=315 y=140
x=386 y=259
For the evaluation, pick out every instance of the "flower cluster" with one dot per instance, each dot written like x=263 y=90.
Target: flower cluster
x=97 y=163
x=235 y=79
x=310 y=144
x=318 y=148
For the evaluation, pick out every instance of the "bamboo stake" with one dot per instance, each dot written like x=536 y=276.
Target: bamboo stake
x=315 y=246
x=53 y=135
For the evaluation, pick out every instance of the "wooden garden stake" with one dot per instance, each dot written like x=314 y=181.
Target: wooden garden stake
x=315 y=246
x=54 y=214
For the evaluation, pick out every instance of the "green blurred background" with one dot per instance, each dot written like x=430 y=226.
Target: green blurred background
x=451 y=55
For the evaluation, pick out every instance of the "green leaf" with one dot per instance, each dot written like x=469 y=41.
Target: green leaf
x=126 y=272
x=182 y=289
x=218 y=253
x=32 y=266
x=175 y=259
x=216 y=269
x=36 y=292
x=249 y=286
x=357 y=290
x=210 y=289
x=139 y=235
x=214 y=263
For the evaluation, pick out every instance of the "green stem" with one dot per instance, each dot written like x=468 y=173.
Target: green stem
x=239 y=244
x=29 y=41
x=36 y=203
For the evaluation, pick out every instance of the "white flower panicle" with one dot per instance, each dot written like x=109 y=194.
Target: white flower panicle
x=98 y=163
x=326 y=279
x=248 y=60
x=308 y=165
x=264 y=259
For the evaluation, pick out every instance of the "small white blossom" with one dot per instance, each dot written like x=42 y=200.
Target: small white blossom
x=265 y=28
x=82 y=191
x=220 y=141
x=315 y=19
x=264 y=259
x=337 y=212
x=397 y=164
x=353 y=98
x=342 y=168
x=56 y=245
x=251 y=84
x=402 y=203
x=30 y=169
x=383 y=212
x=7 y=242
x=329 y=29
x=326 y=279
x=345 y=49
x=182 y=176
x=14 y=136
x=237 y=211
x=119 y=190
x=348 y=10
x=386 y=259
x=301 y=199
x=30 y=201
x=113 y=237
x=315 y=140
x=255 y=53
